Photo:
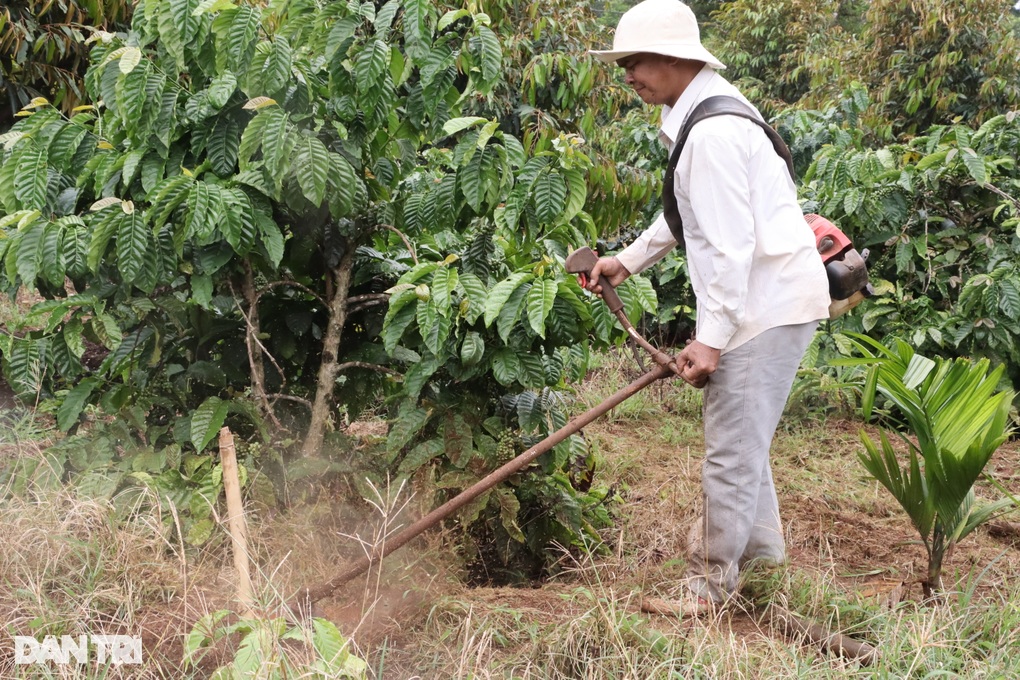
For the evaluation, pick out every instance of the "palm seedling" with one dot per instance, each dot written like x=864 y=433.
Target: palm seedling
x=953 y=420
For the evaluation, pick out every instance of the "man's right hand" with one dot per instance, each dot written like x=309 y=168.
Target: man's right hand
x=610 y=268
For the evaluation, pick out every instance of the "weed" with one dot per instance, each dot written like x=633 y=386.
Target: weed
x=19 y=425
x=70 y=569
x=272 y=649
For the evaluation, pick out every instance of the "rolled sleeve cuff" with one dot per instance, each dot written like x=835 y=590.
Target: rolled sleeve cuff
x=715 y=333
x=633 y=259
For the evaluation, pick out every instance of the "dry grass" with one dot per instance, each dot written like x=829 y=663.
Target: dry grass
x=68 y=567
x=854 y=567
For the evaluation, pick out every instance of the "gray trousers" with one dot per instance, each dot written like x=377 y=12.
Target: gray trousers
x=742 y=404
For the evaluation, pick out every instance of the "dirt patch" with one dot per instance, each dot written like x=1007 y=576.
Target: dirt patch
x=658 y=491
x=368 y=429
x=855 y=529
x=843 y=530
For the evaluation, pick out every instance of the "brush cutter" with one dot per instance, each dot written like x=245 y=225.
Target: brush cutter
x=579 y=262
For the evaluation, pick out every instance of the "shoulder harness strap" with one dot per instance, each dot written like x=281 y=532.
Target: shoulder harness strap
x=720 y=105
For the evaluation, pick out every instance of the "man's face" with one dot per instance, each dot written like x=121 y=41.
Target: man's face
x=654 y=77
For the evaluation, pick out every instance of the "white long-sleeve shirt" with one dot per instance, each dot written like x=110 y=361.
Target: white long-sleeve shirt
x=750 y=253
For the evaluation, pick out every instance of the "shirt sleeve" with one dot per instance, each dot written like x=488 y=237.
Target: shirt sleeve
x=648 y=248
x=720 y=198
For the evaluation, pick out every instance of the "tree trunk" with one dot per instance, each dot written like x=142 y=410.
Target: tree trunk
x=330 y=351
x=933 y=584
x=258 y=371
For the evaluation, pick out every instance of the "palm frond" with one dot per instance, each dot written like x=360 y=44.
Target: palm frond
x=957 y=420
x=974 y=513
x=906 y=484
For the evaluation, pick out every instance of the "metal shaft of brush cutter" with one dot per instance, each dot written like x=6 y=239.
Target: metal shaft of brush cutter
x=357 y=567
x=580 y=262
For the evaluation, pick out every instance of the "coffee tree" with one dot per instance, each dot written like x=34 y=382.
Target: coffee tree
x=930 y=62
x=167 y=204
x=940 y=216
x=42 y=50
x=492 y=328
x=765 y=45
x=261 y=211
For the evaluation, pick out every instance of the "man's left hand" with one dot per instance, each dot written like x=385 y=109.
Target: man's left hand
x=697 y=361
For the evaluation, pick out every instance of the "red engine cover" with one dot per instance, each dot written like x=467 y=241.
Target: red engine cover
x=830 y=241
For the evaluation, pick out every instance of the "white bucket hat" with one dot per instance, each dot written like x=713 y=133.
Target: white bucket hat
x=666 y=27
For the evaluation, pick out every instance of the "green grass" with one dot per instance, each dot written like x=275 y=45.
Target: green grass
x=21 y=426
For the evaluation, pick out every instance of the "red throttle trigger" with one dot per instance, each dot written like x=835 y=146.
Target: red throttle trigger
x=581 y=262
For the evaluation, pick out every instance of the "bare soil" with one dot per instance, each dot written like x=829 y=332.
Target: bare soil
x=7 y=399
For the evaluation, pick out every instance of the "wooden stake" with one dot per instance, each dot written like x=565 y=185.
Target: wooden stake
x=237 y=527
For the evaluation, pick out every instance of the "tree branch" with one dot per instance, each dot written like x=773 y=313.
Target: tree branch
x=407 y=241
x=996 y=190
x=252 y=314
x=251 y=335
x=371 y=367
x=366 y=305
x=300 y=286
x=354 y=299
x=289 y=397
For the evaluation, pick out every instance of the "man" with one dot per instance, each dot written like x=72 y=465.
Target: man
x=760 y=287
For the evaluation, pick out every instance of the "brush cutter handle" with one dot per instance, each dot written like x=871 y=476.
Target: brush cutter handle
x=581 y=262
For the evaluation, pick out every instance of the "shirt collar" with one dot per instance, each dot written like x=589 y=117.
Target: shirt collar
x=673 y=117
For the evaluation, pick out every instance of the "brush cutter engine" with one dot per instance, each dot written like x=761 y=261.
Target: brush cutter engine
x=846 y=268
